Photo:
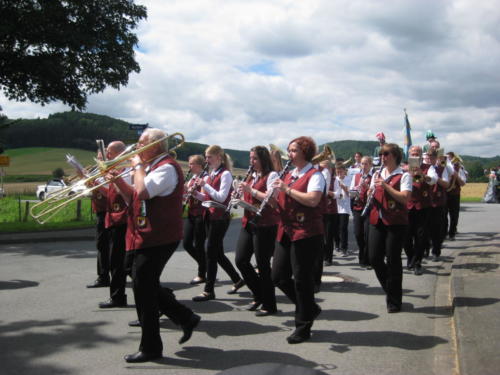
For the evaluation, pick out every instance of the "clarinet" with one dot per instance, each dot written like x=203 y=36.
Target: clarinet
x=194 y=187
x=369 y=200
x=235 y=194
x=265 y=202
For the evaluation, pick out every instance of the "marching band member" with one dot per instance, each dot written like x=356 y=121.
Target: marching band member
x=330 y=214
x=381 y=142
x=438 y=203
x=424 y=176
x=194 y=226
x=99 y=202
x=258 y=239
x=343 y=208
x=458 y=178
x=154 y=230
x=391 y=189
x=361 y=183
x=217 y=186
x=116 y=224
x=300 y=235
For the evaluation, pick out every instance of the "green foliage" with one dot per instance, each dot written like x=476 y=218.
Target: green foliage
x=346 y=149
x=66 y=49
x=58 y=173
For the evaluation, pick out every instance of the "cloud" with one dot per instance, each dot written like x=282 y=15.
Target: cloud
x=250 y=72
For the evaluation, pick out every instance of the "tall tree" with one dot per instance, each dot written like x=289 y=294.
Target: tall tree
x=66 y=49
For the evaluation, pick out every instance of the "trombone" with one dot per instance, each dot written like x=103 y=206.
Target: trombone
x=46 y=209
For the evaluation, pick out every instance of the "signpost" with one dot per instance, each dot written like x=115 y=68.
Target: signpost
x=4 y=160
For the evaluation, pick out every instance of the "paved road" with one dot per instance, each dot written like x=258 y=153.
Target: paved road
x=50 y=323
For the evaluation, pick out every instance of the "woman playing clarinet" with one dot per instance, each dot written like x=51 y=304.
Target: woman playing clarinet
x=300 y=235
x=258 y=238
x=217 y=187
x=391 y=189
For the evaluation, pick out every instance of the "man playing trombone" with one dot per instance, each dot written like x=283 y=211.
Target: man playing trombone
x=154 y=230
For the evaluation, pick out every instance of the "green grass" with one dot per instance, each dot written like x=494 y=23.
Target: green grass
x=471 y=199
x=43 y=160
x=13 y=216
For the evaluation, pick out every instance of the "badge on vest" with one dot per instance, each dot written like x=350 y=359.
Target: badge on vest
x=99 y=196
x=116 y=207
x=425 y=194
x=391 y=204
x=141 y=221
x=300 y=217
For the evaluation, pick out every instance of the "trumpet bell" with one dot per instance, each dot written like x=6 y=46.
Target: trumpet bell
x=326 y=154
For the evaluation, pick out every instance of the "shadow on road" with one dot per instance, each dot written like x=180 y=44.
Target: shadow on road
x=17 y=284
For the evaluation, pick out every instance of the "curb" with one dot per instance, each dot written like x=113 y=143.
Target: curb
x=84 y=234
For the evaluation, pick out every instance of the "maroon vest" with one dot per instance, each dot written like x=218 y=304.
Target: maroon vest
x=116 y=208
x=158 y=220
x=217 y=213
x=194 y=205
x=98 y=202
x=393 y=212
x=269 y=215
x=331 y=202
x=438 y=193
x=454 y=185
x=421 y=192
x=360 y=202
x=297 y=220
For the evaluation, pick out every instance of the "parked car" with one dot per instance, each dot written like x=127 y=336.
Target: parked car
x=42 y=191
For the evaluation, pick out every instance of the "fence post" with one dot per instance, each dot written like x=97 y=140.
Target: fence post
x=26 y=210
x=19 y=206
x=78 y=210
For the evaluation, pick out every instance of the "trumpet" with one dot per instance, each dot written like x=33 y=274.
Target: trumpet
x=46 y=209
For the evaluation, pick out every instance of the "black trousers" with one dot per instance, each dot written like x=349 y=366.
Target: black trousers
x=293 y=273
x=259 y=241
x=216 y=229
x=360 y=224
x=341 y=239
x=117 y=262
x=416 y=236
x=102 y=245
x=453 y=206
x=385 y=243
x=194 y=242
x=435 y=227
x=331 y=223
x=150 y=297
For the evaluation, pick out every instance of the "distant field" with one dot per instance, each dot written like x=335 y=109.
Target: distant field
x=474 y=190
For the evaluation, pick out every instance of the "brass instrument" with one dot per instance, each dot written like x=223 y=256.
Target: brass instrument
x=45 y=210
x=414 y=164
x=326 y=154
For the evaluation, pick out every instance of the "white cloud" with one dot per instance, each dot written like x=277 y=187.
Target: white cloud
x=338 y=69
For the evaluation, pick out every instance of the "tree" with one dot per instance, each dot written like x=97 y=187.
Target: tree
x=66 y=49
x=58 y=173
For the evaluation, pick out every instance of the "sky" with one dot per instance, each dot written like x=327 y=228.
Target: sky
x=241 y=73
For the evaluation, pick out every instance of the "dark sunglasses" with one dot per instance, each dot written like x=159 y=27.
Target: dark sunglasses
x=386 y=153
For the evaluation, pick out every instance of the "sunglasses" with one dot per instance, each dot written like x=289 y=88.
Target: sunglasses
x=386 y=153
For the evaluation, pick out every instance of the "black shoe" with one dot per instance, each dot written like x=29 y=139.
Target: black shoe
x=134 y=323
x=418 y=270
x=344 y=254
x=393 y=309
x=452 y=238
x=435 y=258
x=263 y=312
x=236 y=287
x=253 y=306
x=296 y=338
x=369 y=267
x=197 y=280
x=189 y=327
x=110 y=303
x=99 y=284
x=142 y=357
x=205 y=296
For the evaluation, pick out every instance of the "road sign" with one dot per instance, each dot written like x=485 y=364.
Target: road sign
x=4 y=161
x=137 y=127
